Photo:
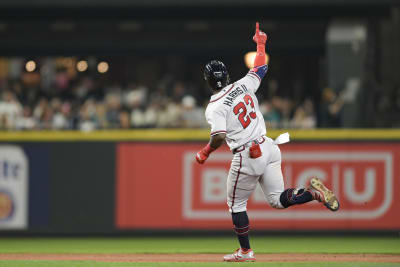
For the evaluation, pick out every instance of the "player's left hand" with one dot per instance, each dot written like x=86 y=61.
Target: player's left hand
x=259 y=37
x=201 y=156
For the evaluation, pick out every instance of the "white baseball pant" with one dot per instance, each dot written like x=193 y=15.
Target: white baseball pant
x=246 y=172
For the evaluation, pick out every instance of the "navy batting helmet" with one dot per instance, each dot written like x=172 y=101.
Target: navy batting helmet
x=216 y=75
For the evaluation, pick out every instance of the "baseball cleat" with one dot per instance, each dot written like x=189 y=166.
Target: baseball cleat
x=240 y=256
x=324 y=195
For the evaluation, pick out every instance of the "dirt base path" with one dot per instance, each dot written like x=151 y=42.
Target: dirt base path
x=202 y=257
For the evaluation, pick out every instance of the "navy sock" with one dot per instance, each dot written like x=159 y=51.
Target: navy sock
x=292 y=196
x=242 y=227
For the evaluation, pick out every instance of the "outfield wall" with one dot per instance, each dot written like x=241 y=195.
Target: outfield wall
x=118 y=181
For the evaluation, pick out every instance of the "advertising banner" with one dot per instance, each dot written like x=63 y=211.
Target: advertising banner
x=161 y=186
x=13 y=188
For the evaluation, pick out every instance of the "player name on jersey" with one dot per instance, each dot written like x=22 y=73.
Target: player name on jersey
x=234 y=94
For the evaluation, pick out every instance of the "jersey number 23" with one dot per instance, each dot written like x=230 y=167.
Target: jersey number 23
x=241 y=110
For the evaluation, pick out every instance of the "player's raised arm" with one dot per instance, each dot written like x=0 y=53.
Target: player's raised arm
x=254 y=77
x=260 y=38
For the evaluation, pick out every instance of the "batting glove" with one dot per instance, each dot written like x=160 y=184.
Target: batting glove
x=260 y=38
x=201 y=157
x=203 y=154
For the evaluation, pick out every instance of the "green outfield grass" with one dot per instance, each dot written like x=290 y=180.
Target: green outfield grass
x=201 y=245
x=220 y=245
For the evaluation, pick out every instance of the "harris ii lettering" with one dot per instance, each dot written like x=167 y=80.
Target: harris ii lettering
x=234 y=94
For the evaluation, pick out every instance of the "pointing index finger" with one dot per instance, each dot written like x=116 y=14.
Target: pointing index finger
x=257 y=27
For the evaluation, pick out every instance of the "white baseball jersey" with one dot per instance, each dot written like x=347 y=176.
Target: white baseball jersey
x=234 y=110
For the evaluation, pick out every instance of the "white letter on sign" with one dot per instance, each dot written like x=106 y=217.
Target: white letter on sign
x=369 y=190
x=214 y=185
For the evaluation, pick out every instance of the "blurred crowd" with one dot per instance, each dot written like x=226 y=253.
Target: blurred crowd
x=88 y=102
x=89 y=108
x=128 y=108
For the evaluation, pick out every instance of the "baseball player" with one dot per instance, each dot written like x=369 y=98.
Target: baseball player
x=235 y=117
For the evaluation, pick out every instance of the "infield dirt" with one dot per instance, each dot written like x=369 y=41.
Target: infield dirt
x=202 y=257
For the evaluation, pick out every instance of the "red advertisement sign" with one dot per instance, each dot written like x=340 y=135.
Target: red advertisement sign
x=161 y=186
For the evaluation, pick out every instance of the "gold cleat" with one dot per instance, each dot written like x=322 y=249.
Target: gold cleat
x=325 y=195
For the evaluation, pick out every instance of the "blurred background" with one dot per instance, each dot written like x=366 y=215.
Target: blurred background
x=70 y=71
x=138 y=64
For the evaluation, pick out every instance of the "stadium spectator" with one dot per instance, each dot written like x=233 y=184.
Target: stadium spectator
x=27 y=121
x=192 y=116
x=304 y=116
x=10 y=111
x=331 y=108
x=124 y=122
x=271 y=114
x=88 y=116
x=60 y=120
x=113 y=105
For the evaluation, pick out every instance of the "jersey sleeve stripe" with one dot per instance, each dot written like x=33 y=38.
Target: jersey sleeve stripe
x=217 y=132
x=255 y=75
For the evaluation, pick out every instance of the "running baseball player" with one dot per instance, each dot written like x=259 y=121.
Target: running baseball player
x=235 y=117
